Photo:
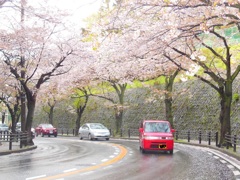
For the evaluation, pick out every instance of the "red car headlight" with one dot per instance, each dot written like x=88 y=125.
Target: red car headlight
x=157 y=137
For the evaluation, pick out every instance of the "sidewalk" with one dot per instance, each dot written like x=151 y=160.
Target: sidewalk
x=224 y=150
x=4 y=148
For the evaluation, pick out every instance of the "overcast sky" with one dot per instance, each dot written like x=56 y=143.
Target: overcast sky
x=79 y=9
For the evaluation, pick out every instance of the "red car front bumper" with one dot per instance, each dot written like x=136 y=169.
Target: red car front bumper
x=162 y=145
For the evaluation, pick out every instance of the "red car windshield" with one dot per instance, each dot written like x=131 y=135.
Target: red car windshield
x=156 y=127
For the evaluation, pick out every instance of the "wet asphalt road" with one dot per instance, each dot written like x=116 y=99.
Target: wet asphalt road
x=70 y=159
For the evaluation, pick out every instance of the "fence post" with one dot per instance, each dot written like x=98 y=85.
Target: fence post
x=226 y=138
x=188 y=134
x=7 y=132
x=121 y=133
x=216 y=137
x=176 y=134
x=200 y=137
x=4 y=135
x=20 y=139
x=62 y=131
x=235 y=143
x=10 y=142
x=73 y=132
x=128 y=133
x=67 y=132
x=16 y=136
x=209 y=138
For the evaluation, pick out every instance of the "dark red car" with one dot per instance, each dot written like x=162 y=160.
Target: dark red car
x=156 y=135
x=46 y=129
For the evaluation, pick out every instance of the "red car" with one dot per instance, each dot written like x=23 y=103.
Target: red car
x=46 y=129
x=156 y=135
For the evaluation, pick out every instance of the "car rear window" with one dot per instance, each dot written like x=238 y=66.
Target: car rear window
x=156 y=127
x=47 y=126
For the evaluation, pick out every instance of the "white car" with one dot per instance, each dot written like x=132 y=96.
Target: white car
x=94 y=131
x=3 y=127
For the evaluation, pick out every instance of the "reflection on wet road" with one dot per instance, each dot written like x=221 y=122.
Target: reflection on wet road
x=70 y=158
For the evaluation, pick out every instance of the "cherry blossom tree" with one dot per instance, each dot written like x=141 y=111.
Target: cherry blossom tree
x=191 y=35
x=126 y=54
x=36 y=50
x=49 y=96
x=10 y=97
x=81 y=97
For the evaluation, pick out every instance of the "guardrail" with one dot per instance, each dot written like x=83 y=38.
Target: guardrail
x=9 y=137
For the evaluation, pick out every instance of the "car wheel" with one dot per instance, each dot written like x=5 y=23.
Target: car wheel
x=36 y=134
x=55 y=135
x=42 y=134
x=107 y=139
x=89 y=137
x=80 y=137
x=49 y=135
x=171 y=151
x=142 y=150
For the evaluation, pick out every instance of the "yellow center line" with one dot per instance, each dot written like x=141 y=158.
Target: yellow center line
x=122 y=154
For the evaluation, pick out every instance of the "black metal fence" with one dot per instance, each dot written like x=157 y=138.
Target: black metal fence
x=207 y=136
x=130 y=133
x=8 y=137
x=232 y=140
x=199 y=135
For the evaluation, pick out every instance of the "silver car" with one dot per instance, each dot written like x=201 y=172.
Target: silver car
x=3 y=127
x=94 y=131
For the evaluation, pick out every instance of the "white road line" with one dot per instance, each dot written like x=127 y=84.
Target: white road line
x=225 y=158
x=36 y=177
x=216 y=157
x=69 y=170
x=230 y=166
x=236 y=173
x=223 y=161
x=89 y=172
x=112 y=156
x=104 y=160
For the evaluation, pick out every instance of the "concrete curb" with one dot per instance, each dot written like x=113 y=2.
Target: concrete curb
x=29 y=148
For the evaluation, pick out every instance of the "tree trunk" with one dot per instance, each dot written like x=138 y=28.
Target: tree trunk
x=119 y=118
x=51 y=114
x=78 y=122
x=31 y=108
x=168 y=109
x=169 y=81
x=120 y=89
x=3 y=117
x=225 y=113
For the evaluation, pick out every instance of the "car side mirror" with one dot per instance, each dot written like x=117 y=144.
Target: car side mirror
x=140 y=130
x=173 y=130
